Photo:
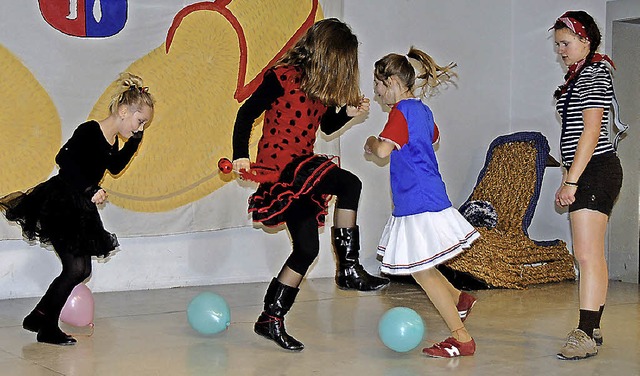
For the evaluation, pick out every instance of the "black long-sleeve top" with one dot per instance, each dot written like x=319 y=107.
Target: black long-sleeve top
x=86 y=156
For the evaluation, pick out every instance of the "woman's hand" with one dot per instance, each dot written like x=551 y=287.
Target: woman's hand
x=565 y=195
x=99 y=197
x=362 y=108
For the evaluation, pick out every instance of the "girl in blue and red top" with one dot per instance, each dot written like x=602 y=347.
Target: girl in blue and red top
x=424 y=229
x=314 y=85
x=62 y=211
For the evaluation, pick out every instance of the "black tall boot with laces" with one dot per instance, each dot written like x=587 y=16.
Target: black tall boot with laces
x=277 y=302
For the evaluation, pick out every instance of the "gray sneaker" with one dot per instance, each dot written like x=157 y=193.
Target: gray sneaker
x=578 y=346
x=597 y=336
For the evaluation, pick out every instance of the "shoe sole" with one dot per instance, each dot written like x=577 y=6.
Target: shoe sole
x=562 y=357
x=437 y=356
x=59 y=344
x=347 y=288
x=272 y=340
x=445 y=357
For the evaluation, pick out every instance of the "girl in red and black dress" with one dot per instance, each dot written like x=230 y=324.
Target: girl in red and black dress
x=62 y=211
x=315 y=85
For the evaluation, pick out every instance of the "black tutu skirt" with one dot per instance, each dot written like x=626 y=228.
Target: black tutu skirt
x=54 y=213
x=271 y=200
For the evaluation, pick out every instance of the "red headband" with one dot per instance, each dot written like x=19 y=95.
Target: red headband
x=574 y=25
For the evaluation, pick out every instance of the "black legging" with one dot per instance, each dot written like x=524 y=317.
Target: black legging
x=301 y=221
x=75 y=269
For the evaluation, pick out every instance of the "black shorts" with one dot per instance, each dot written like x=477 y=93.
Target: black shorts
x=599 y=184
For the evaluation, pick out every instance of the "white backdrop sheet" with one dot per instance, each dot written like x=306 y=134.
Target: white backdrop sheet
x=75 y=71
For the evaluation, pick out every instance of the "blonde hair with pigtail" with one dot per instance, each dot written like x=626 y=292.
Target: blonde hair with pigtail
x=417 y=71
x=130 y=91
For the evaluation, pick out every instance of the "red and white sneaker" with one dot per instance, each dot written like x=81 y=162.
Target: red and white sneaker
x=465 y=303
x=450 y=348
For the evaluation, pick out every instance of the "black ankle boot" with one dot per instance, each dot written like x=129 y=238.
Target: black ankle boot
x=53 y=335
x=350 y=275
x=33 y=322
x=277 y=302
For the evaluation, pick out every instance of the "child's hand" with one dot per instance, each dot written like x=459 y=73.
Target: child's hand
x=368 y=144
x=381 y=148
x=241 y=164
x=362 y=108
x=99 y=197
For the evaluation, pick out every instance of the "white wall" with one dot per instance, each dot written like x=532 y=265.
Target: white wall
x=507 y=69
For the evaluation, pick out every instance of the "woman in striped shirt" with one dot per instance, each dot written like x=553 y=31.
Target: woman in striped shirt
x=593 y=174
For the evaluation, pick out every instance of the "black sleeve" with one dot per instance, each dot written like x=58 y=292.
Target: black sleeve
x=260 y=101
x=84 y=157
x=118 y=161
x=332 y=121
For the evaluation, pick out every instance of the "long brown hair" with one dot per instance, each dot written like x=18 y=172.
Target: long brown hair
x=328 y=56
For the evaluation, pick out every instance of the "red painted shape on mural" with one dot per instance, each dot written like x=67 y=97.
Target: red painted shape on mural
x=243 y=91
x=59 y=15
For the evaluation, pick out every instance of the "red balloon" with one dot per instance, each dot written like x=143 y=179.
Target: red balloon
x=225 y=166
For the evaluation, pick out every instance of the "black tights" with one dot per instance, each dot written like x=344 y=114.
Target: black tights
x=75 y=269
x=301 y=216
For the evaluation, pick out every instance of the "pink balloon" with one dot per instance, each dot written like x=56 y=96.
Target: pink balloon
x=79 y=308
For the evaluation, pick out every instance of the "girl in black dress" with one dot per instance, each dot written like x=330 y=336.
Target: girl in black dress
x=61 y=212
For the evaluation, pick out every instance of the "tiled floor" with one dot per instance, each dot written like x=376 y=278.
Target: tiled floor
x=147 y=333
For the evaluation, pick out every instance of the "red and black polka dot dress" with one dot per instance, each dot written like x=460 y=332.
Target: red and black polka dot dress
x=286 y=166
x=290 y=126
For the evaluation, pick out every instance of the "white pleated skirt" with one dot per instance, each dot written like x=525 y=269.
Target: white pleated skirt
x=421 y=241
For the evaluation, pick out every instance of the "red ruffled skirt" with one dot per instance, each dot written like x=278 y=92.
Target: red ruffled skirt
x=271 y=200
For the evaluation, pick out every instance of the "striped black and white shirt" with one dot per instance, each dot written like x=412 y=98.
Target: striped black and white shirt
x=592 y=89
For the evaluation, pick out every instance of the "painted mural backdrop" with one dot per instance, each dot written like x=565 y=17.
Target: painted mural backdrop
x=200 y=61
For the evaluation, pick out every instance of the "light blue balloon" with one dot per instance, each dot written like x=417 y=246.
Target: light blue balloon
x=401 y=329
x=208 y=313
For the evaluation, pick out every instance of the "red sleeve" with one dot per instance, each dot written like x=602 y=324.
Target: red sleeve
x=436 y=134
x=396 y=129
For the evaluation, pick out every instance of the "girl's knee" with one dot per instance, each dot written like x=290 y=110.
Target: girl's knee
x=300 y=261
x=588 y=254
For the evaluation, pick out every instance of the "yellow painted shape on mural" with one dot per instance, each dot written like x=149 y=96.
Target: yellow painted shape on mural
x=30 y=127
x=194 y=85
x=268 y=26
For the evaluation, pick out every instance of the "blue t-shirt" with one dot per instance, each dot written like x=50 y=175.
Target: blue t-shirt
x=416 y=183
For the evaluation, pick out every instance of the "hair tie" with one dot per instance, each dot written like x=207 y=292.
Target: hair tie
x=141 y=89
